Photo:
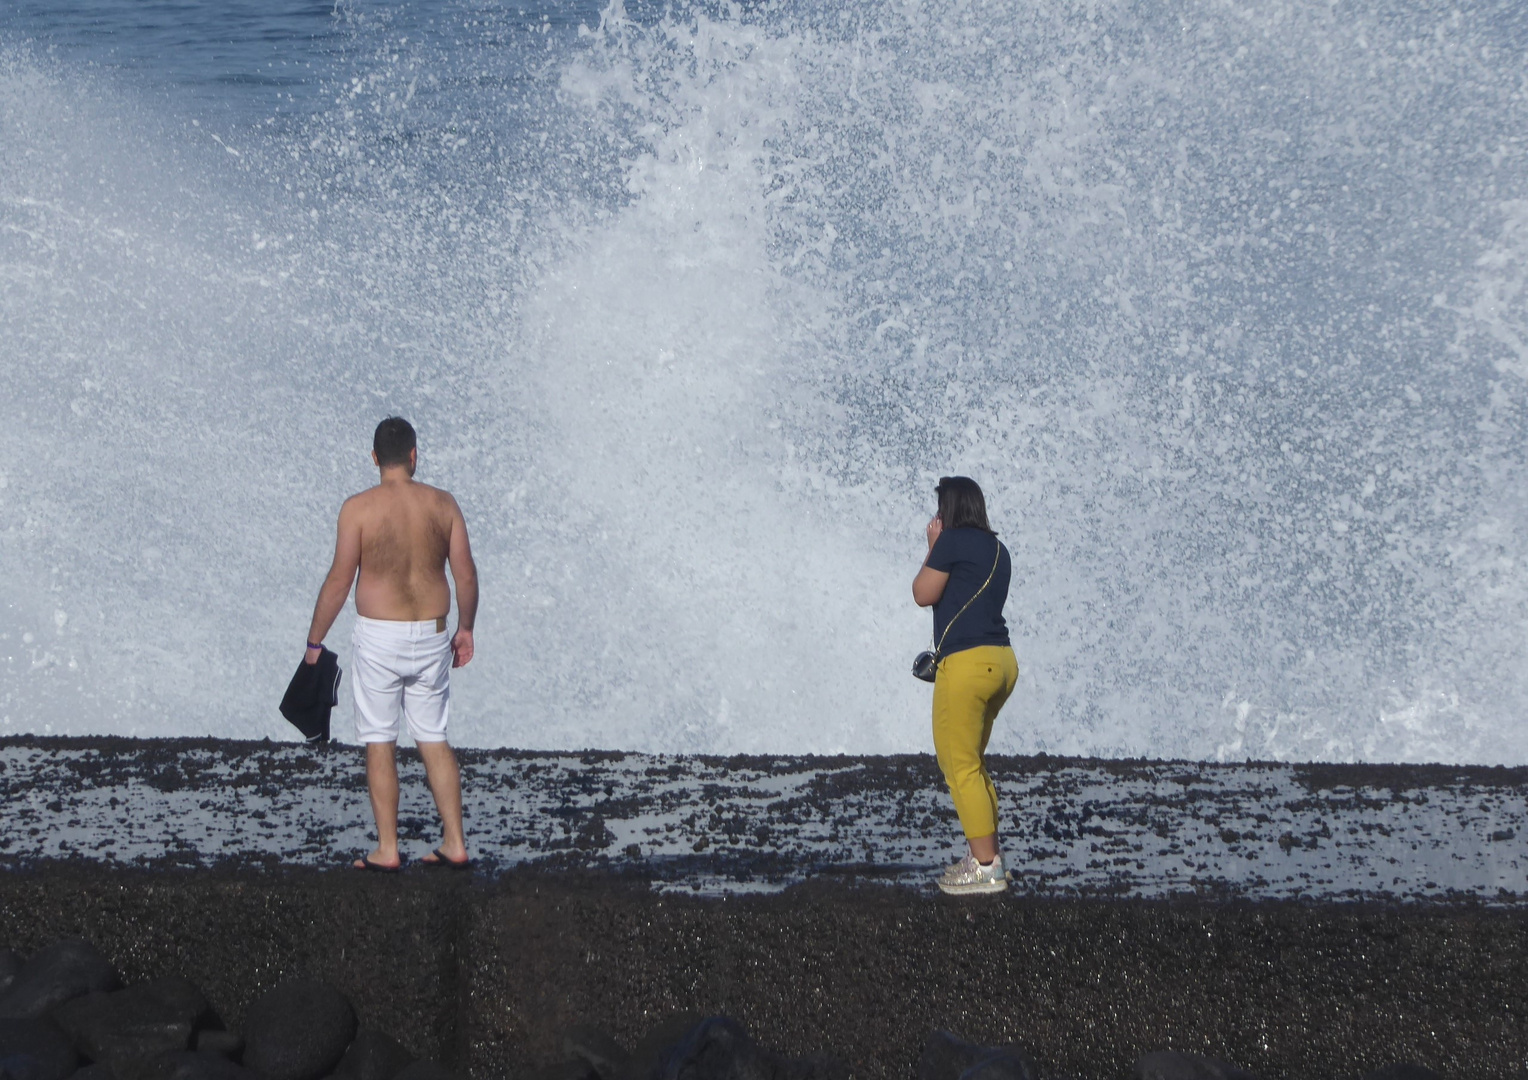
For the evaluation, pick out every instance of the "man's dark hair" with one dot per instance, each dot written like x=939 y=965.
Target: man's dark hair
x=961 y=505
x=393 y=441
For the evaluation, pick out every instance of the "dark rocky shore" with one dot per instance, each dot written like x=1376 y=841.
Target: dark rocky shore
x=829 y=965
x=489 y=978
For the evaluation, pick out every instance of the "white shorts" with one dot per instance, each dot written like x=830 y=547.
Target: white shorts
x=400 y=670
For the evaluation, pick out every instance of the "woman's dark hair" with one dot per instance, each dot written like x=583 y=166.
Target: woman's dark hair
x=393 y=441
x=961 y=505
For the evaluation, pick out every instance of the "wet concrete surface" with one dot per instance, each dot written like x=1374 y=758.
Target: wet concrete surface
x=1299 y=921
x=1071 y=827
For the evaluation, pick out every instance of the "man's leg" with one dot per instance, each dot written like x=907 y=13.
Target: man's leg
x=382 y=782
x=378 y=692
x=446 y=785
x=427 y=705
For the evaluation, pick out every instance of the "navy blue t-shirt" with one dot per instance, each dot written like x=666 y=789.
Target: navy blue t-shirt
x=966 y=555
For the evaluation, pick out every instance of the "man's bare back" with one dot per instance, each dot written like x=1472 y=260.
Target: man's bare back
x=394 y=542
x=404 y=531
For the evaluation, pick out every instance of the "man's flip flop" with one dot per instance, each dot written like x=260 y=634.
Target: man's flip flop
x=440 y=860
x=365 y=863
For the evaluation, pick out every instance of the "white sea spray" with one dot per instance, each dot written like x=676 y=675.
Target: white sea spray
x=1224 y=308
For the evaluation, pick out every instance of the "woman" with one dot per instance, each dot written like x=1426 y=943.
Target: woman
x=965 y=580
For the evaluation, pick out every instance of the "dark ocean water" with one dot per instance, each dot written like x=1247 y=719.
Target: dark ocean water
x=249 y=61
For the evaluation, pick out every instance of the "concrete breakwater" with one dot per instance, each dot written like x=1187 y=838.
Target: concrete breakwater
x=487 y=976
x=1296 y=921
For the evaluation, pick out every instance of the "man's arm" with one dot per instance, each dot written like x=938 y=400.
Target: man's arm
x=464 y=573
x=336 y=587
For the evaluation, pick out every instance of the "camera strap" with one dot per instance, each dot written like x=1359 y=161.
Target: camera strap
x=995 y=559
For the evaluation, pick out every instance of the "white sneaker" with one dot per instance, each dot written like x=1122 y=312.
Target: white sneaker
x=970 y=876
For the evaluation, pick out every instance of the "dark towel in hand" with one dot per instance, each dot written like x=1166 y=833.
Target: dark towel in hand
x=313 y=691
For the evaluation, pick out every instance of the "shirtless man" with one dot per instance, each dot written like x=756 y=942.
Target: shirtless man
x=400 y=535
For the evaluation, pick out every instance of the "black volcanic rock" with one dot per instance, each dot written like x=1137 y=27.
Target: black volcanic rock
x=948 y=1057
x=426 y=1070
x=10 y=963
x=945 y=1056
x=178 y=997
x=35 y=1050
x=648 y=1055
x=1176 y=1065
x=718 y=1048
x=568 y=1069
x=298 y=1031
x=53 y=975
x=596 y=1046
x=1001 y=1065
x=193 y=1065
x=226 y=1044
x=373 y=1055
x=127 y=1028
x=1404 y=1071
x=93 y=1071
x=812 y=1068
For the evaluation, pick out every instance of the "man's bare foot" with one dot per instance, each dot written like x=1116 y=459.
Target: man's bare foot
x=377 y=861
x=447 y=856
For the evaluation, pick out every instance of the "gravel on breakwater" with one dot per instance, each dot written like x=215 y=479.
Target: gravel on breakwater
x=488 y=975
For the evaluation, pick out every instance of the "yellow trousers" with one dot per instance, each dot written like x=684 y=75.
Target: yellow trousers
x=969 y=689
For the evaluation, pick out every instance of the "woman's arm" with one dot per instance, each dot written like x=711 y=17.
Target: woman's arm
x=929 y=585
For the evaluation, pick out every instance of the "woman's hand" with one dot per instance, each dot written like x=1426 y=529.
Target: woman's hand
x=935 y=527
